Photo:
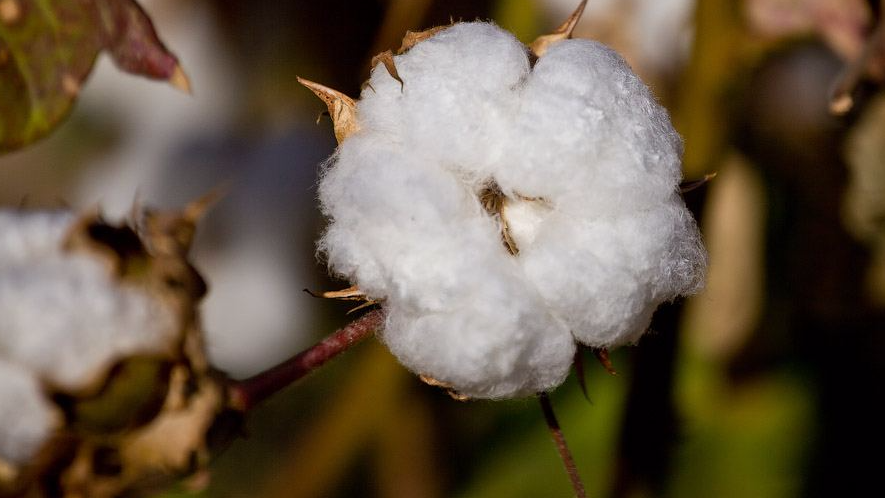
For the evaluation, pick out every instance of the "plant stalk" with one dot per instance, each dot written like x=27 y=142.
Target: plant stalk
x=243 y=395
x=561 y=446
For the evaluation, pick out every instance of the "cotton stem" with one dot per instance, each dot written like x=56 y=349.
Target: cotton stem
x=245 y=394
x=561 y=446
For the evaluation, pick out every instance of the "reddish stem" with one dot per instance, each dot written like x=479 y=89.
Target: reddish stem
x=561 y=446
x=245 y=394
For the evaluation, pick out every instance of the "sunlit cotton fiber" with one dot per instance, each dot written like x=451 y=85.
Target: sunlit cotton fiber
x=587 y=233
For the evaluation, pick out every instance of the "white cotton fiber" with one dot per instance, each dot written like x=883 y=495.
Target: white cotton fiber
x=63 y=315
x=587 y=167
x=26 y=418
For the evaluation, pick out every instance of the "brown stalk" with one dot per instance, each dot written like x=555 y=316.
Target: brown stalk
x=245 y=394
x=561 y=446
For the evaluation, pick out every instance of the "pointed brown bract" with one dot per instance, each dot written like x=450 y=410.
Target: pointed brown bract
x=870 y=64
x=602 y=356
x=693 y=184
x=495 y=202
x=342 y=108
x=563 y=32
x=430 y=381
x=386 y=58
x=172 y=232
x=413 y=38
x=179 y=80
x=352 y=293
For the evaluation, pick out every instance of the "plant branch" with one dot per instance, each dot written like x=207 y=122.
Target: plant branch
x=561 y=446
x=245 y=394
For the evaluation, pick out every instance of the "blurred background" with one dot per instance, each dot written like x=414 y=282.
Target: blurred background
x=763 y=386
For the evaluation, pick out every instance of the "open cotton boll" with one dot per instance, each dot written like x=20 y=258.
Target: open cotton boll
x=100 y=349
x=505 y=211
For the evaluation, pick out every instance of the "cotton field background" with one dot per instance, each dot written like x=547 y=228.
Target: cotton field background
x=763 y=385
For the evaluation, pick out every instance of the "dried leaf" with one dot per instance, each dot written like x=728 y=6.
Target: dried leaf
x=579 y=371
x=869 y=64
x=494 y=202
x=386 y=58
x=430 y=381
x=693 y=184
x=342 y=108
x=48 y=48
x=413 y=38
x=602 y=356
x=563 y=32
x=352 y=293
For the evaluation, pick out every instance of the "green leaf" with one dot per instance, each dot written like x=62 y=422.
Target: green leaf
x=48 y=48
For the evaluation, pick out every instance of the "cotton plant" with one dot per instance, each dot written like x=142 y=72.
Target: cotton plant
x=500 y=205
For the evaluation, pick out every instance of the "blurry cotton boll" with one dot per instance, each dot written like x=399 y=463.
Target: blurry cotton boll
x=175 y=147
x=101 y=344
x=653 y=35
x=572 y=152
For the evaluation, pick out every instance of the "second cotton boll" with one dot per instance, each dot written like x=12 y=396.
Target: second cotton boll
x=505 y=210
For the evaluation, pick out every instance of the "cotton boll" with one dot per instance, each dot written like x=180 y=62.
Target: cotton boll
x=504 y=212
x=26 y=418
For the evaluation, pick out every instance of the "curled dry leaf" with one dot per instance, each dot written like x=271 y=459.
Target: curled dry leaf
x=563 y=32
x=603 y=357
x=690 y=185
x=386 y=58
x=48 y=48
x=413 y=38
x=342 y=108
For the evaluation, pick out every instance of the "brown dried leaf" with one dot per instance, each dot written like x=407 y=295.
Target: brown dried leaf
x=602 y=356
x=430 y=381
x=693 y=184
x=342 y=108
x=48 y=47
x=352 y=293
x=386 y=58
x=563 y=32
x=494 y=202
x=413 y=38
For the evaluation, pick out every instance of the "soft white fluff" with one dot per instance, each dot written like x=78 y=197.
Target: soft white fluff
x=62 y=314
x=64 y=319
x=26 y=418
x=590 y=165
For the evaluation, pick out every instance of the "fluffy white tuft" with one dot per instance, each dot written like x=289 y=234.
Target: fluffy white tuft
x=27 y=418
x=63 y=315
x=588 y=166
x=64 y=320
